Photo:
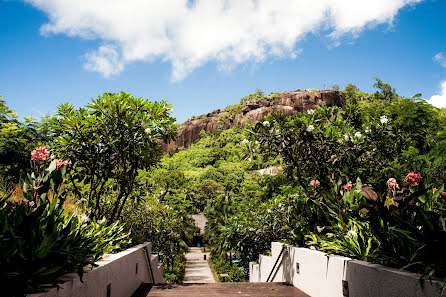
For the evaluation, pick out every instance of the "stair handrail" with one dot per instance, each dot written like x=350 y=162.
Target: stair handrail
x=149 y=265
x=275 y=264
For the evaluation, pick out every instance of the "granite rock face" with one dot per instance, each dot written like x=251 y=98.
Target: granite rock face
x=287 y=103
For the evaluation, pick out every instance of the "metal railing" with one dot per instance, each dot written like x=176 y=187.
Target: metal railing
x=149 y=265
x=275 y=264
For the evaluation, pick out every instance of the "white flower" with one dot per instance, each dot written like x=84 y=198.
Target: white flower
x=277 y=131
x=147 y=130
x=257 y=142
x=367 y=130
x=266 y=123
x=83 y=218
x=358 y=134
x=383 y=120
x=352 y=233
x=310 y=111
x=245 y=141
x=31 y=204
x=346 y=137
x=310 y=128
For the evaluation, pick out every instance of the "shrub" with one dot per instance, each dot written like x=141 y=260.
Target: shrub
x=39 y=241
x=222 y=266
x=175 y=273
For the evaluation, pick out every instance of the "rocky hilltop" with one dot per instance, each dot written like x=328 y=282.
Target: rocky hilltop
x=251 y=111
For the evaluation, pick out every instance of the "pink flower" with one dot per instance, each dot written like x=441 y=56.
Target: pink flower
x=392 y=184
x=434 y=190
x=348 y=186
x=60 y=163
x=443 y=193
x=413 y=178
x=315 y=183
x=419 y=177
x=39 y=154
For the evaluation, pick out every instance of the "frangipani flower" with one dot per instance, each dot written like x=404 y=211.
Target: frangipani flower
x=310 y=128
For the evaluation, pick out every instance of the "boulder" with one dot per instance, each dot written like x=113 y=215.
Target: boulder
x=287 y=103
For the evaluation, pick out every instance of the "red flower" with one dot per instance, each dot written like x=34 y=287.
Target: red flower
x=443 y=193
x=39 y=154
x=419 y=177
x=60 y=163
x=315 y=183
x=348 y=186
x=413 y=178
x=392 y=184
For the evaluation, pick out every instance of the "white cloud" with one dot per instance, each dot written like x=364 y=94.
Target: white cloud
x=439 y=100
x=188 y=34
x=105 y=60
x=441 y=59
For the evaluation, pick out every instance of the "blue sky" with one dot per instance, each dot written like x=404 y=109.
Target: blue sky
x=53 y=53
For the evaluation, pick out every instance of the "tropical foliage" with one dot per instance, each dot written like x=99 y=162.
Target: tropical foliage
x=17 y=138
x=364 y=180
x=39 y=239
x=108 y=141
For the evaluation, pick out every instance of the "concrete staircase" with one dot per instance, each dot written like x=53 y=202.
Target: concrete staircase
x=221 y=289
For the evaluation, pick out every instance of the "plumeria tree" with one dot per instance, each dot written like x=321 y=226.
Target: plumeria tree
x=108 y=141
x=328 y=141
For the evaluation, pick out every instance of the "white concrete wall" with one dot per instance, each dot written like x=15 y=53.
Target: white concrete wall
x=370 y=280
x=119 y=271
x=322 y=275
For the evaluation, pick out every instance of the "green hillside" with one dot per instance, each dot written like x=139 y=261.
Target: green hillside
x=352 y=151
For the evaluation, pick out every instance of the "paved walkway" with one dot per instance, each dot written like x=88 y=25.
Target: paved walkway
x=199 y=282
x=197 y=269
x=226 y=290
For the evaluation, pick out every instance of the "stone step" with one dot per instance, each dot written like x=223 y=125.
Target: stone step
x=223 y=289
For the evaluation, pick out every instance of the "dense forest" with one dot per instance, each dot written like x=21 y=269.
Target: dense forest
x=364 y=179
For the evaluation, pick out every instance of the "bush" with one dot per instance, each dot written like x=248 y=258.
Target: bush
x=38 y=244
x=39 y=241
x=221 y=266
x=169 y=230
x=403 y=227
x=175 y=273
